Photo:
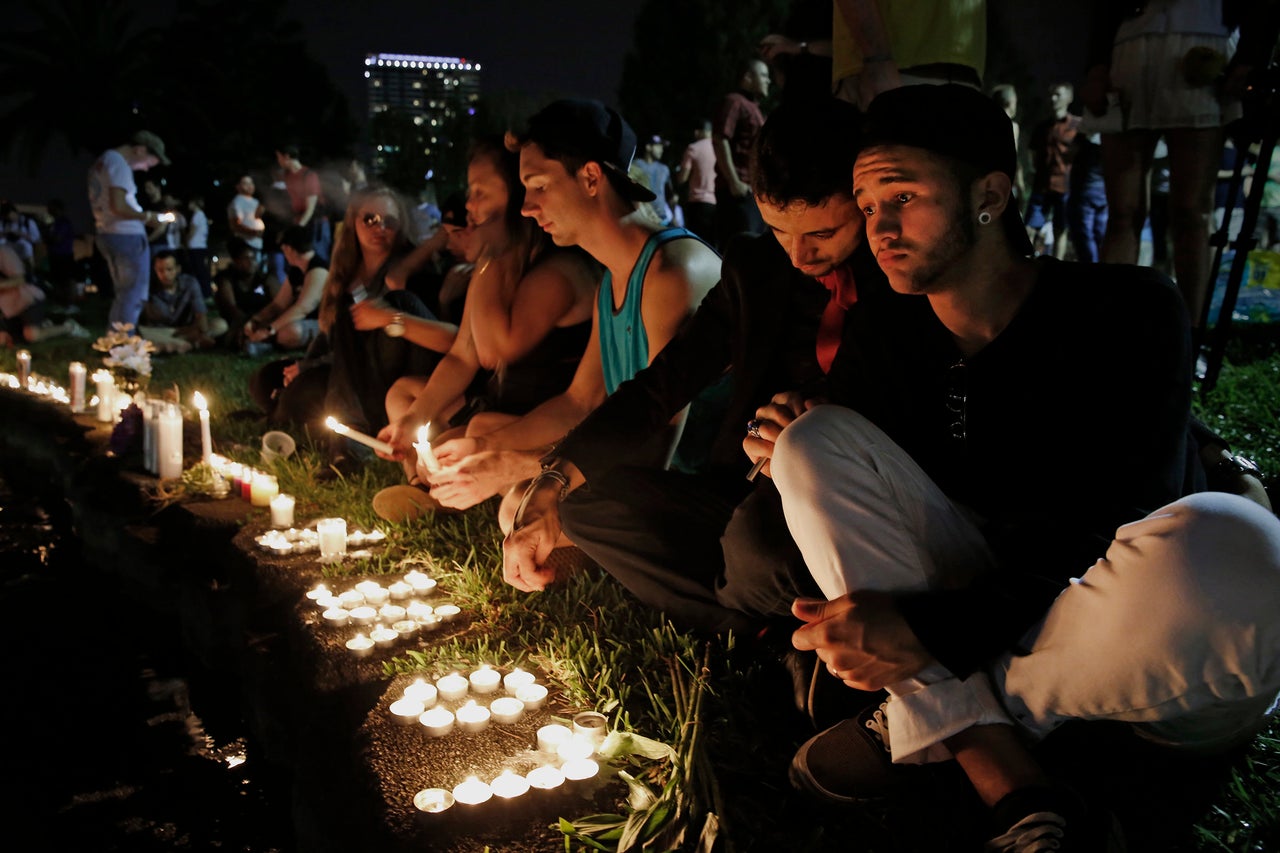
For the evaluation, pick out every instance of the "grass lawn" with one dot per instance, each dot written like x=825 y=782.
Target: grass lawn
x=725 y=708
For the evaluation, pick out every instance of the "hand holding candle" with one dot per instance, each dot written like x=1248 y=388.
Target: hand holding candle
x=367 y=440
x=426 y=457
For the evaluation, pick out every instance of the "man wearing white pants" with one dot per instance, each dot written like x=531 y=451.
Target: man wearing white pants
x=1004 y=520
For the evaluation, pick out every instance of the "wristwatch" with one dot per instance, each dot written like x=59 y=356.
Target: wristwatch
x=1237 y=466
x=395 y=328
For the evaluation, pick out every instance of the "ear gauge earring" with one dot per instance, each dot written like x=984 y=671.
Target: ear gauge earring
x=984 y=218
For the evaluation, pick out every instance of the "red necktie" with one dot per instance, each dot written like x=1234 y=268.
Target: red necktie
x=844 y=292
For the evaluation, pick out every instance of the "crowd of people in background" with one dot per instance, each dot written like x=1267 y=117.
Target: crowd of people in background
x=584 y=332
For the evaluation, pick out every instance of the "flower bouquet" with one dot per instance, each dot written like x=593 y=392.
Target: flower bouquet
x=128 y=357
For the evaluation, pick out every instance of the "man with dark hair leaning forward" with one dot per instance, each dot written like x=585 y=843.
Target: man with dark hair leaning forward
x=993 y=596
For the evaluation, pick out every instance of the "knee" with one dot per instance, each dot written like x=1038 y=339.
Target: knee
x=815 y=440
x=289 y=336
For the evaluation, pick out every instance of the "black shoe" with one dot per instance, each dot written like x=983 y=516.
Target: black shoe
x=849 y=762
x=1053 y=818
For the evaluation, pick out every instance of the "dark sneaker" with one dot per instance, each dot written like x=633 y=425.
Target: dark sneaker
x=849 y=762
x=1046 y=819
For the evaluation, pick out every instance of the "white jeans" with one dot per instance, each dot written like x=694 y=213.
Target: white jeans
x=1177 y=628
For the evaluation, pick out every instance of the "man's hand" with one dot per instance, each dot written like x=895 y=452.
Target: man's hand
x=400 y=434
x=533 y=535
x=770 y=420
x=862 y=638
x=477 y=477
x=454 y=450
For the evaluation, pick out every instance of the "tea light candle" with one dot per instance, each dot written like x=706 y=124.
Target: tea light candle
x=329 y=602
x=534 y=696
x=206 y=440
x=282 y=511
x=485 y=679
x=577 y=746
x=318 y=592
x=580 y=769
x=506 y=709
x=508 y=786
x=363 y=615
x=421 y=583
x=433 y=800
x=437 y=721
x=426 y=456
x=592 y=725
x=392 y=613
x=384 y=636
x=517 y=678
x=417 y=610
x=336 y=616
x=404 y=626
x=472 y=792
x=77 y=371
x=265 y=487
x=376 y=596
x=360 y=645
x=24 y=368
x=545 y=778
x=352 y=599
x=551 y=736
x=364 y=587
x=422 y=692
x=399 y=591
x=472 y=718
x=169 y=443
x=430 y=622
x=333 y=537
x=448 y=612
x=452 y=687
x=407 y=711
x=105 y=384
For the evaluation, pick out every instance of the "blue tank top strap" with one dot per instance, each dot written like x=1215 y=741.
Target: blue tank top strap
x=624 y=344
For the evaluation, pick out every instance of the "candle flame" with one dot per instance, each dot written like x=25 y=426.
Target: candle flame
x=422 y=433
x=332 y=423
x=199 y=401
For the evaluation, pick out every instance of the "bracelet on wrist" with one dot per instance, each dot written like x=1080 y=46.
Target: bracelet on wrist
x=551 y=474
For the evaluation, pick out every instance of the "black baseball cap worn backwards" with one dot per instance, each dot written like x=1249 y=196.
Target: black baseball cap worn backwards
x=587 y=129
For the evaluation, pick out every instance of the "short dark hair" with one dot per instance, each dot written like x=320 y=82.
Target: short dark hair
x=290 y=150
x=805 y=152
x=298 y=238
x=164 y=255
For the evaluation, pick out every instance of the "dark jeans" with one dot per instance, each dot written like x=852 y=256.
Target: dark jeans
x=711 y=552
x=1087 y=220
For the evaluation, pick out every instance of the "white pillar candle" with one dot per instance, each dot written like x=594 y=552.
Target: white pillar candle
x=437 y=721
x=485 y=679
x=24 y=368
x=517 y=678
x=472 y=718
x=106 y=388
x=545 y=778
x=169 y=443
x=534 y=696
x=77 y=371
x=422 y=691
x=367 y=440
x=150 y=428
x=333 y=538
x=264 y=488
x=206 y=439
x=407 y=711
x=452 y=687
x=506 y=709
x=551 y=736
x=433 y=800
x=282 y=511
x=360 y=645
x=472 y=792
x=426 y=456
x=508 y=786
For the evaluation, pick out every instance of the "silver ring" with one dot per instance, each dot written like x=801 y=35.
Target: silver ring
x=753 y=428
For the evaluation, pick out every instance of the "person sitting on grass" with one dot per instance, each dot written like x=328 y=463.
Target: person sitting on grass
x=174 y=317
x=22 y=306
x=1007 y=523
x=525 y=323
x=241 y=289
x=574 y=156
x=289 y=319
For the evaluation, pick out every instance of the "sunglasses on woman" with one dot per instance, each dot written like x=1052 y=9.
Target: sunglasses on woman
x=378 y=220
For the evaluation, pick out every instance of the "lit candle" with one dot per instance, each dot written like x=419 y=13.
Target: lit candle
x=426 y=456
x=577 y=746
x=336 y=616
x=534 y=696
x=352 y=598
x=592 y=725
x=246 y=482
x=151 y=436
x=421 y=583
x=545 y=778
x=580 y=769
x=433 y=800
x=282 y=511
x=206 y=439
x=367 y=440
x=508 y=785
x=551 y=736
x=77 y=386
x=452 y=687
x=430 y=622
x=407 y=711
x=333 y=538
x=506 y=709
x=384 y=636
x=376 y=595
x=472 y=792
x=485 y=679
x=106 y=387
x=437 y=721
x=517 y=678
x=448 y=612
x=472 y=718
x=363 y=615
x=360 y=645
x=392 y=613
x=422 y=692
x=399 y=591
x=264 y=488
x=233 y=472
x=417 y=610
x=329 y=601
x=318 y=592
x=169 y=443
x=404 y=626
x=24 y=368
